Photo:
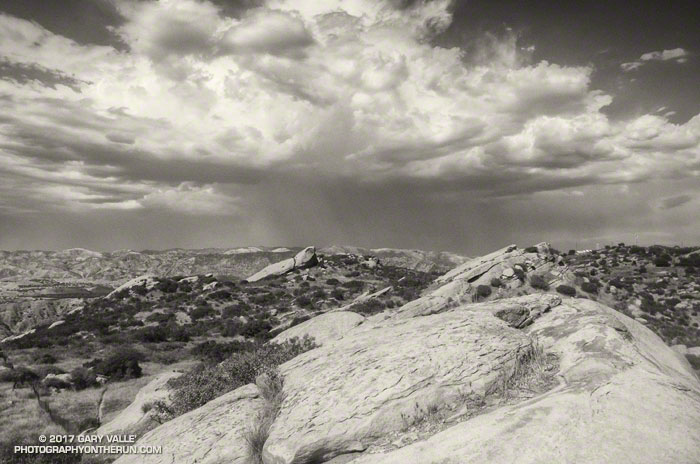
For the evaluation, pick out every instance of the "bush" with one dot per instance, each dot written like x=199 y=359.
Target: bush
x=371 y=306
x=236 y=310
x=152 y=334
x=83 y=378
x=662 y=261
x=45 y=358
x=332 y=281
x=355 y=285
x=121 y=365
x=337 y=294
x=693 y=360
x=203 y=383
x=589 y=287
x=213 y=353
x=532 y=249
x=483 y=291
x=538 y=282
x=495 y=282
x=566 y=290
x=303 y=301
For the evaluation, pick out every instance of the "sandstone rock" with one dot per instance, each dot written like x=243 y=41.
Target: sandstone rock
x=682 y=349
x=211 y=434
x=133 y=419
x=305 y=258
x=149 y=281
x=459 y=285
x=364 y=298
x=343 y=395
x=324 y=328
x=625 y=397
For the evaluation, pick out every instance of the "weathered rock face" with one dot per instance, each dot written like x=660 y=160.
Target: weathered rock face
x=211 y=434
x=324 y=328
x=343 y=395
x=624 y=397
x=305 y=258
x=133 y=419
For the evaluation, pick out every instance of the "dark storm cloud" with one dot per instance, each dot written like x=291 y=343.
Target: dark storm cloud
x=22 y=73
x=85 y=21
x=232 y=123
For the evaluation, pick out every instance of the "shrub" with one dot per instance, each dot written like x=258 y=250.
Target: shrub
x=538 y=282
x=332 y=281
x=662 y=261
x=299 y=319
x=371 y=306
x=519 y=273
x=532 y=249
x=256 y=328
x=45 y=358
x=83 y=378
x=337 y=294
x=152 y=334
x=693 y=360
x=483 y=291
x=589 y=287
x=566 y=290
x=495 y=282
x=203 y=383
x=213 y=352
x=355 y=285
x=236 y=310
x=121 y=365
x=303 y=301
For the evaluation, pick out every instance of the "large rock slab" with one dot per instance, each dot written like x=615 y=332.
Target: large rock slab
x=324 y=328
x=305 y=258
x=343 y=395
x=459 y=285
x=132 y=419
x=625 y=397
x=211 y=434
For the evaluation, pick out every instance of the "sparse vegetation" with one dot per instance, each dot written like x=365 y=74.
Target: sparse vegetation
x=566 y=290
x=538 y=282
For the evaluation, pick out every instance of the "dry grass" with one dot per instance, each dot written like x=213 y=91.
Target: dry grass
x=271 y=386
x=531 y=373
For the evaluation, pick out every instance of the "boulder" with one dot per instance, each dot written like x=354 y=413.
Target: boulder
x=324 y=328
x=132 y=419
x=625 y=397
x=344 y=395
x=305 y=258
x=211 y=434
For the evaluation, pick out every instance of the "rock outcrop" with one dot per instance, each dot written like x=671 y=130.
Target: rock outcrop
x=211 y=434
x=133 y=419
x=305 y=258
x=324 y=328
x=619 y=394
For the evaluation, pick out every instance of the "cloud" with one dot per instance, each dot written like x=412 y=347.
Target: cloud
x=665 y=55
x=675 y=201
x=678 y=55
x=223 y=114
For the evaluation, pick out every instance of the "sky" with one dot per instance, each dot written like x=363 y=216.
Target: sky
x=462 y=126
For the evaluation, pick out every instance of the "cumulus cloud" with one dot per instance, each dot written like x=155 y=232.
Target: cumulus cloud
x=205 y=111
x=678 y=55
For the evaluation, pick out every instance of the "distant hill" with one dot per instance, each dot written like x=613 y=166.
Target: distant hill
x=117 y=267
